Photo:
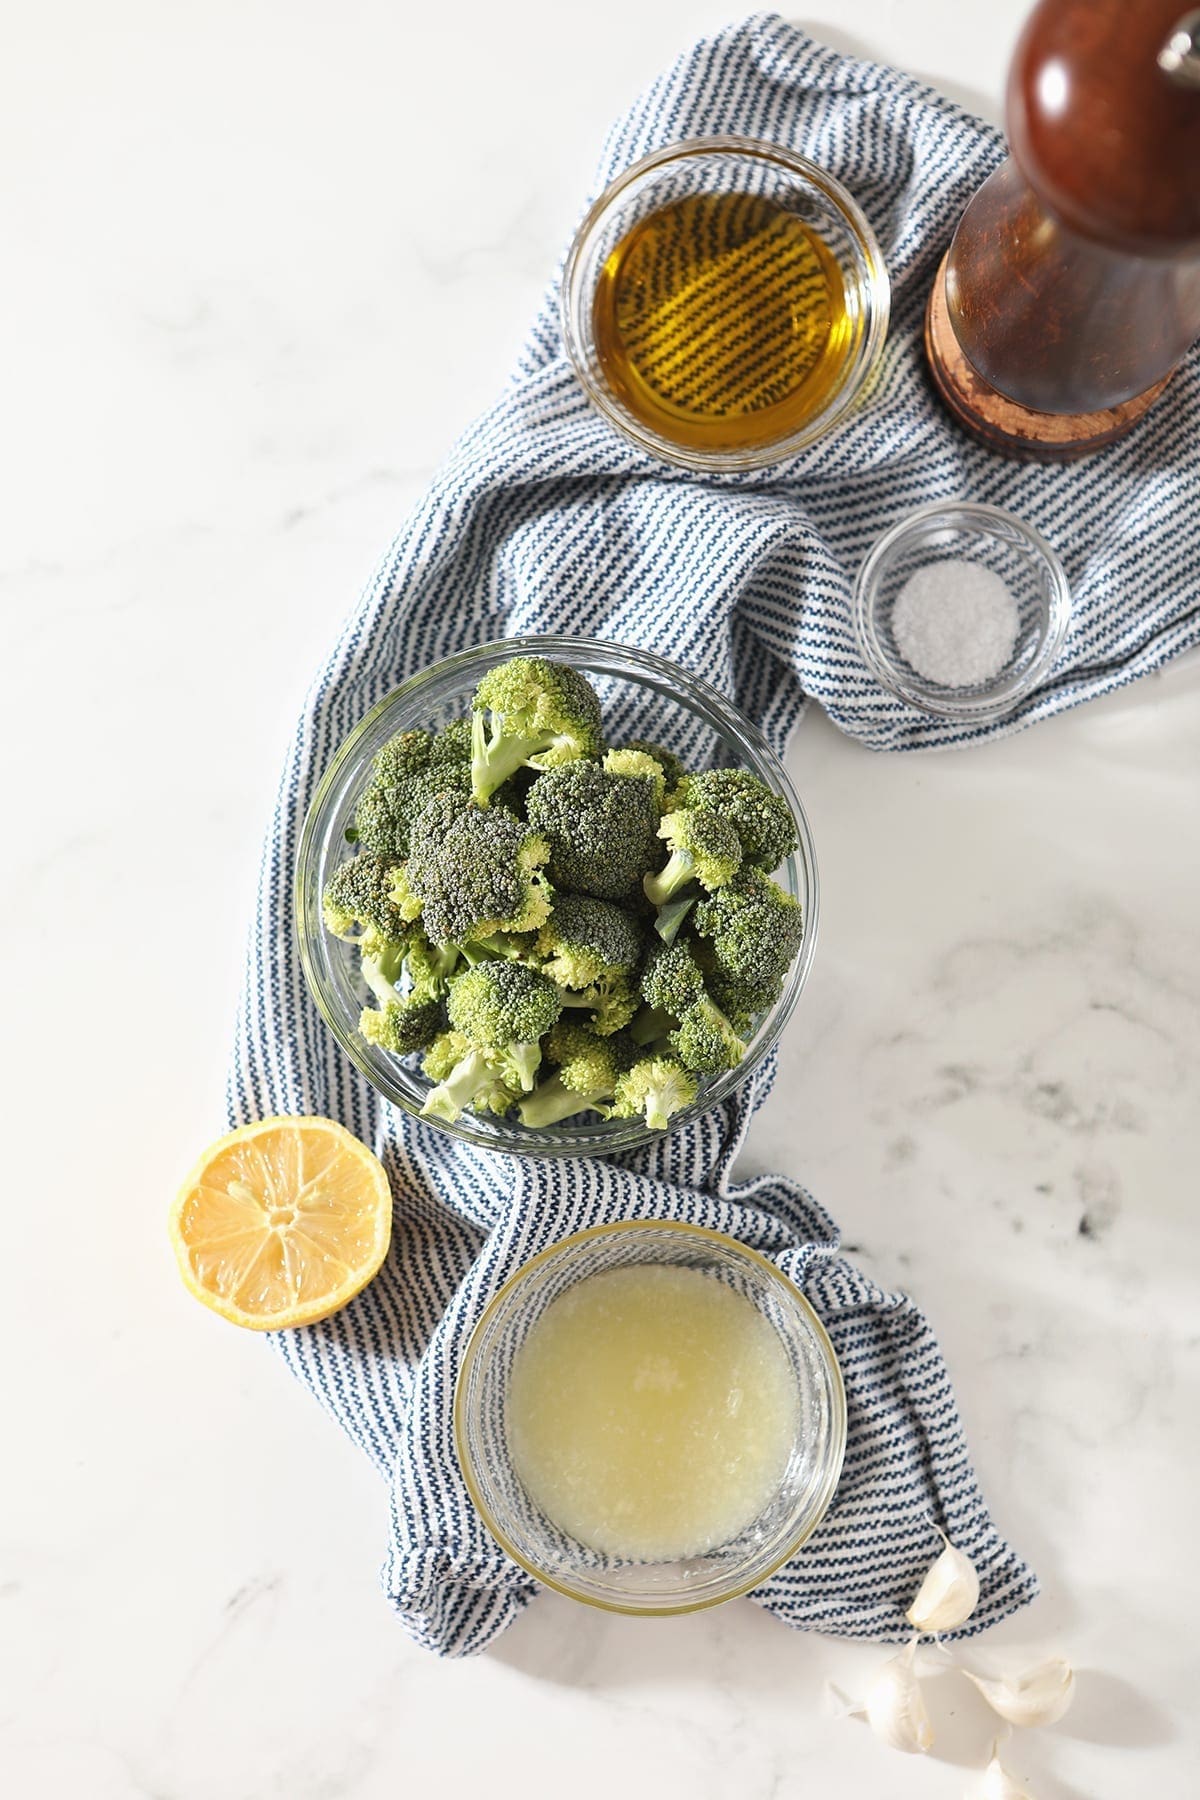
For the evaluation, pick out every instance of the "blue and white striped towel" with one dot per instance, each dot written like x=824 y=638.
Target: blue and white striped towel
x=545 y=520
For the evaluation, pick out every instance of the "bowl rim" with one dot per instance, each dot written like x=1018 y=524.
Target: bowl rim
x=731 y=461
x=981 y=705
x=838 y=1412
x=592 y=1140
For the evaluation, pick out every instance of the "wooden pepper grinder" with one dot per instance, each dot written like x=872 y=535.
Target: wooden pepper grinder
x=1071 y=290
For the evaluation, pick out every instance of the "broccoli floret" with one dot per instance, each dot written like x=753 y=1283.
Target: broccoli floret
x=430 y=966
x=530 y=712
x=452 y=744
x=404 y=1025
x=501 y=1003
x=611 y=1001
x=706 y=1041
x=505 y=1007
x=743 y=997
x=656 y=1087
x=358 y=900
x=672 y=980
x=762 y=819
x=405 y=775
x=704 y=847
x=575 y=1047
x=673 y=770
x=466 y=1075
x=600 y=828
x=444 y=1054
x=704 y=1038
x=636 y=762
x=586 y=940
x=476 y=873
x=407 y=904
x=588 y=1068
x=752 y=927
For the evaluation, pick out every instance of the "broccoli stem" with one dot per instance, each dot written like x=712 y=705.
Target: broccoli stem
x=552 y=1101
x=495 y=758
x=381 y=974
x=439 y=967
x=492 y=949
x=712 y=1012
x=671 y=917
x=676 y=874
x=526 y=1060
x=651 y=1024
x=447 y=1100
x=578 y=997
x=659 y=1103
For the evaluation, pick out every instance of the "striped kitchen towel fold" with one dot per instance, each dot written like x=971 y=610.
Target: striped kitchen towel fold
x=545 y=520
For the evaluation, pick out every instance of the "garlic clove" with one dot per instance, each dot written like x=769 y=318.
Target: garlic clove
x=895 y=1708
x=998 y=1784
x=949 y=1593
x=1040 y=1696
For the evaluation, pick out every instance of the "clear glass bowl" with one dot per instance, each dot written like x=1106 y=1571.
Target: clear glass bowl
x=736 y=165
x=481 y=1427
x=960 y=530
x=643 y=696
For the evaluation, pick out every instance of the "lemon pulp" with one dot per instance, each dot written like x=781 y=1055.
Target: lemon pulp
x=652 y=1412
x=282 y=1222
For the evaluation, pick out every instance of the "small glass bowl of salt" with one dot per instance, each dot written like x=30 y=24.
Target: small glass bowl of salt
x=961 y=610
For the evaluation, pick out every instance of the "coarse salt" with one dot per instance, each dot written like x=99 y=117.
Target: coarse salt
x=955 y=623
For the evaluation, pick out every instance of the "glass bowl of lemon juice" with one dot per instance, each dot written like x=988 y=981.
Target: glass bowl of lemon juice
x=650 y=1417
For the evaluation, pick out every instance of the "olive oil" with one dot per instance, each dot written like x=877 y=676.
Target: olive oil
x=721 y=322
x=652 y=1412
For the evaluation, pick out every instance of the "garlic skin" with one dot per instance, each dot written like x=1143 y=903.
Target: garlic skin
x=1040 y=1696
x=895 y=1708
x=837 y=1705
x=949 y=1593
x=998 y=1784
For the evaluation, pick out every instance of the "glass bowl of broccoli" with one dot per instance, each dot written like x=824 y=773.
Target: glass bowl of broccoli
x=556 y=896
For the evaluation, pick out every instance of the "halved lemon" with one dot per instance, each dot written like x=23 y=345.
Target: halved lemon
x=282 y=1222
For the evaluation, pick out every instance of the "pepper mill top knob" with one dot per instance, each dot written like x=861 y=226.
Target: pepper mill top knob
x=1104 y=120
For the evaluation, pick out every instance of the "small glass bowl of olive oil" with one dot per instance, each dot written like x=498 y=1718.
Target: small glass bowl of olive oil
x=724 y=303
x=650 y=1417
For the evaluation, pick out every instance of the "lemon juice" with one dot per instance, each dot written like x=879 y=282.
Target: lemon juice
x=652 y=1412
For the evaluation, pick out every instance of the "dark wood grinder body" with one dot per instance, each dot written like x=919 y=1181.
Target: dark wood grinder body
x=1071 y=290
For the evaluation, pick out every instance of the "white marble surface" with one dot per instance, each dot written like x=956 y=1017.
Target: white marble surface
x=262 y=263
